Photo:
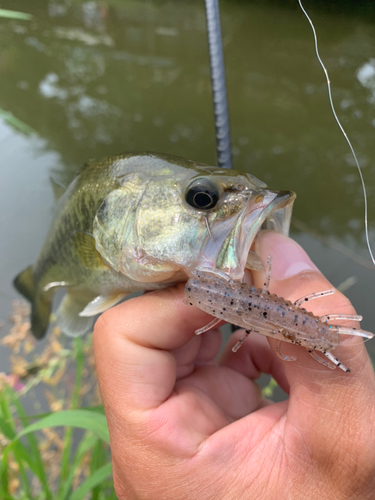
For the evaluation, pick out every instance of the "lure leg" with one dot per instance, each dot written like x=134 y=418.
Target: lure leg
x=345 y=330
x=241 y=341
x=315 y=295
x=336 y=362
x=342 y=330
x=346 y=317
x=281 y=355
x=210 y=325
x=266 y=284
x=320 y=360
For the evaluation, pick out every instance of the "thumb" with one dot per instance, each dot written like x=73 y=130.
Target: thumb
x=293 y=276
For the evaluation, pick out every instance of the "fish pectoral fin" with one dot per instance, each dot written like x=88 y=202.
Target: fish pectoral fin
x=54 y=284
x=87 y=254
x=254 y=261
x=101 y=304
x=68 y=318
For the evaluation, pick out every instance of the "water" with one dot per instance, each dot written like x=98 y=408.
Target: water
x=98 y=78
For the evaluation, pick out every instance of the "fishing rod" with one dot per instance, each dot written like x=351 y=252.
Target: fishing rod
x=219 y=89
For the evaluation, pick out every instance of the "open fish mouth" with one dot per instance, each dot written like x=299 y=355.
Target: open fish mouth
x=228 y=250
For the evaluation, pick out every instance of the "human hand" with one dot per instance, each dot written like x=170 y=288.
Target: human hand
x=184 y=426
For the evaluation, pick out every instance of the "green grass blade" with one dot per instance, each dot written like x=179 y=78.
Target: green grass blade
x=33 y=457
x=96 y=409
x=84 y=419
x=7 y=421
x=6 y=429
x=16 y=123
x=87 y=442
x=268 y=391
x=112 y=496
x=98 y=459
x=13 y=14
x=94 y=480
x=4 y=486
x=65 y=459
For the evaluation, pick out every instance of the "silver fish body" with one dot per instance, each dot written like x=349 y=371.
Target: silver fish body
x=141 y=222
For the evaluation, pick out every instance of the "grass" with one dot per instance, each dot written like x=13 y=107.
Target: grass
x=63 y=454
x=23 y=469
x=13 y=14
x=16 y=123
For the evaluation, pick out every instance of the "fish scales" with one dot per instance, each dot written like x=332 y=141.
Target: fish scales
x=75 y=213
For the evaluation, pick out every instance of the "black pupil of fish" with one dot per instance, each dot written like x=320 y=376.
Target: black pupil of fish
x=202 y=200
x=203 y=197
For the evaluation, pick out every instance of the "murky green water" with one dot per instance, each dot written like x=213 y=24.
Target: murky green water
x=97 y=78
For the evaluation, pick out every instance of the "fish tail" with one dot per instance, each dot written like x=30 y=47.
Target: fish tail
x=24 y=283
x=41 y=302
x=40 y=314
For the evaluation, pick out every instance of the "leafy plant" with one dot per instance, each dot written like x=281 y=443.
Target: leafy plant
x=45 y=459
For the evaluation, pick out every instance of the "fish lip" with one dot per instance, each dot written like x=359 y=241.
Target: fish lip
x=280 y=212
x=272 y=212
x=275 y=216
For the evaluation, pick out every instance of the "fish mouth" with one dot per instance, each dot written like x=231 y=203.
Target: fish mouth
x=228 y=249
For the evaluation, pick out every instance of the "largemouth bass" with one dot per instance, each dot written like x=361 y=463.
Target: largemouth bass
x=137 y=222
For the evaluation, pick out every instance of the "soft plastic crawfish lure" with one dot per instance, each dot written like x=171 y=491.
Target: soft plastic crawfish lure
x=257 y=310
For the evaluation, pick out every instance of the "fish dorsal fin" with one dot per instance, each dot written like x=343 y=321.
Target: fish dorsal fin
x=58 y=188
x=101 y=304
x=87 y=254
x=67 y=315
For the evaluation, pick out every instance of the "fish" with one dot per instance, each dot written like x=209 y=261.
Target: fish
x=144 y=221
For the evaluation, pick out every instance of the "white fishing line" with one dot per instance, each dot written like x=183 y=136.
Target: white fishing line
x=342 y=129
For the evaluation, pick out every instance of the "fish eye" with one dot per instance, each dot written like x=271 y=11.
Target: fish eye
x=202 y=194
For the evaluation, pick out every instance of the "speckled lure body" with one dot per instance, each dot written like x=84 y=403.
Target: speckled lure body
x=257 y=310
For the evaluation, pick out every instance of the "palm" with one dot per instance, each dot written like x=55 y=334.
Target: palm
x=209 y=395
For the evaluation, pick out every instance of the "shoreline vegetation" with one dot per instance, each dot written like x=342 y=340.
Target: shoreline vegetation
x=62 y=453
x=54 y=441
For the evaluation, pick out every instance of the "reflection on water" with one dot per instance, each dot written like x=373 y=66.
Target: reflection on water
x=94 y=78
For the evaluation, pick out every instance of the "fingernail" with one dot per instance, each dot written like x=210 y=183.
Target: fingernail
x=288 y=258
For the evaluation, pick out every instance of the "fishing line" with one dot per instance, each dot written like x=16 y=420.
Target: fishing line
x=342 y=129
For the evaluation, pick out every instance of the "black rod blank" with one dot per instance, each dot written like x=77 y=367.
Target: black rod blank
x=219 y=90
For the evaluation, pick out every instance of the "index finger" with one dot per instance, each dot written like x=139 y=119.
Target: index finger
x=133 y=342
x=319 y=396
